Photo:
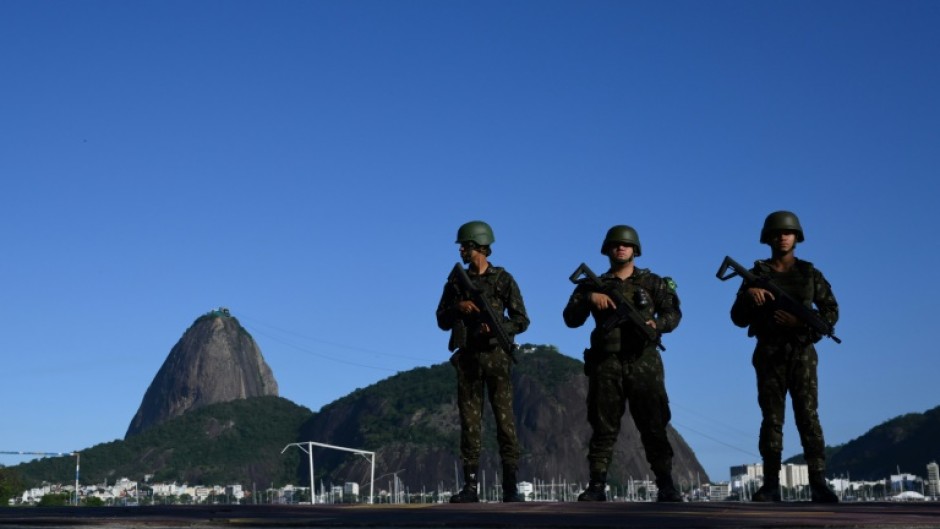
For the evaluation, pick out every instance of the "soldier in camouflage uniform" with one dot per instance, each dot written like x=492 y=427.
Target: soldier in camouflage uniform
x=480 y=361
x=623 y=365
x=785 y=359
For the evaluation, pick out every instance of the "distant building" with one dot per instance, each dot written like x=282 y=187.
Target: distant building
x=201 y=492
x=933 y=479
x=747 y=473
x=903 y=482
x=794 y=475
x=351 y=489
x=527 y=489
x=750 y=477
x=336 y=494
x=124 y=485
x=164 y=489
x=745 y=479
x=719 y=491
x=235 y=491
x=840 y=485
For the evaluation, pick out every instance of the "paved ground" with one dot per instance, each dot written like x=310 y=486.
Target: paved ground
x=717 y=515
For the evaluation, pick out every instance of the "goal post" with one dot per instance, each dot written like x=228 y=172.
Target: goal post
x=308 y=448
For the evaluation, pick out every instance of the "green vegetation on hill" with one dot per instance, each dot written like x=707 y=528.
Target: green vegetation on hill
x=549 y=365
x=397 y=409
x=390 y=409
x=908 y=442
x=227 y=443
x=10 y=485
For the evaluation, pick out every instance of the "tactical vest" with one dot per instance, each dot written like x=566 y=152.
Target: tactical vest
x=638 y=290
x=465 y=333
x=799 y=282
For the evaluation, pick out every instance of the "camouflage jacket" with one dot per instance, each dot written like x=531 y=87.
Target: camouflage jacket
x=503 y=293
x=652 y=295
x=803 y=282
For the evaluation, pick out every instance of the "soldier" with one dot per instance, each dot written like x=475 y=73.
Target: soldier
x=624 y=365
x=784 y=358
x=479 y=360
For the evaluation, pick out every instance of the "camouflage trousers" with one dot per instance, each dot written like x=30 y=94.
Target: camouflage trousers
x=615 y=379
x=476 y=371
x=781 y=368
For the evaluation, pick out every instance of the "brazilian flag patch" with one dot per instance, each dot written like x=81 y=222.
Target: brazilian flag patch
x=671 y=283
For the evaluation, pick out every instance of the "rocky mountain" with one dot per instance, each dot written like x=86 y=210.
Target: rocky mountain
x=215 y=360
x=412 y=419
x=409 y=420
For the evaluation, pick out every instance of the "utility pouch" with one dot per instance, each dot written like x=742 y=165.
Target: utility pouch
x=458 y=336
x=591 y=360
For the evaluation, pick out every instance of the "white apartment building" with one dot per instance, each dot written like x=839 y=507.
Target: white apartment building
x=719 y=491
x=794 y=475
x=235 y=491
x=933 y=479
x=790 y=475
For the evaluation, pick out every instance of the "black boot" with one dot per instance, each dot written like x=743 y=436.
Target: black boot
x=597 y=489
x=510 y=490
x=769 y=491
x=667 y=492
x=469 y=492
x=819 y=489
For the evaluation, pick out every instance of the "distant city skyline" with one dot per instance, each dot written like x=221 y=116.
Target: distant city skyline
x=794 y=477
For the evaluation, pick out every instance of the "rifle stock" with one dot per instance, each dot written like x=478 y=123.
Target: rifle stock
x=625 y=311
x=730 y=268
x=492 y=320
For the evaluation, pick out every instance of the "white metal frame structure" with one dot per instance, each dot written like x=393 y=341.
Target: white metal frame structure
x=309 y=450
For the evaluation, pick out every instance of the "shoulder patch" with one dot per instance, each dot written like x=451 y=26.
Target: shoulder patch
x=670 y=283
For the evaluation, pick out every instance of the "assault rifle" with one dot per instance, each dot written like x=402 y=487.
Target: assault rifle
x=625 y=311
x=490 y=318
x=784 y=301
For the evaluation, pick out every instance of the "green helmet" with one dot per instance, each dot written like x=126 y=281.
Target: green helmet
x=476 y=231
x=781 y=220
x=622 y=233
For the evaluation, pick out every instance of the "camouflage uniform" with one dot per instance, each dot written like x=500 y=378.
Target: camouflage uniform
x=785 y=360
x=624 y=366
x=480 y=361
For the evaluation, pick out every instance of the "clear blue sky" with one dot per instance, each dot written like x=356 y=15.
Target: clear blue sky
x=307 y=164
